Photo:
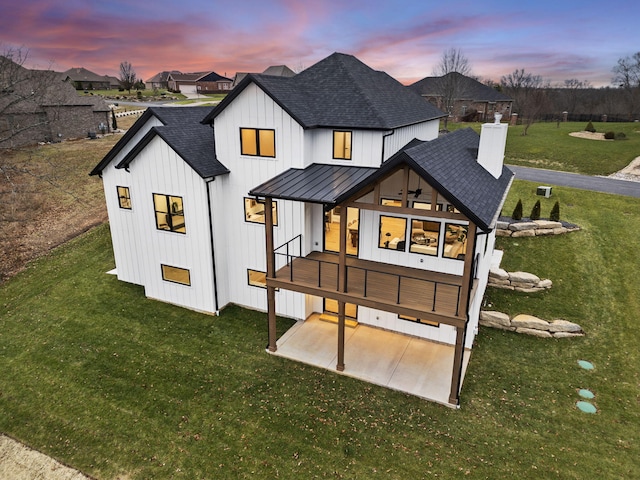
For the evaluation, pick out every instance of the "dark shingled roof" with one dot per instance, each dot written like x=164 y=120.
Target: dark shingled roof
x=341 y=92
x=466 y=88
x=448 y=163
x=318 y=183
x=182 y=131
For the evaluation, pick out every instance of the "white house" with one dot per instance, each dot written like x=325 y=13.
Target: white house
x=327 y=192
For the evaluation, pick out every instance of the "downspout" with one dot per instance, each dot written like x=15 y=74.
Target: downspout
x=213 y=252
x=384 y=137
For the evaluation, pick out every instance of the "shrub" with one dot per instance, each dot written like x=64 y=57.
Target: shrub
x=610 y=136
x=590 y=128
x=517 y=212
x=535 y=211
x=621 y=136
x=555 y=213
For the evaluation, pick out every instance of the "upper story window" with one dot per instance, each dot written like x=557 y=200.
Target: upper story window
x=342 y=145
x=393 y=232
x=124 y=198
x=455 y=241
x=169 y=213
x=258 y=142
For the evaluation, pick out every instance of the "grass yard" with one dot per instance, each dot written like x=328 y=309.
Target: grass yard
x=548 y=145
x=119 y=386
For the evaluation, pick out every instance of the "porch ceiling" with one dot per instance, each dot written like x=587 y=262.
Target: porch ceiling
x=399 y=362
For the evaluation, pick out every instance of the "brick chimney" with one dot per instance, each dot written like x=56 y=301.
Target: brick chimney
x=493 y=138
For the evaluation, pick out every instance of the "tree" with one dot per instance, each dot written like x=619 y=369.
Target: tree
x=127 y=76
x=627 y=76
x=529 y=93
x=453 y=64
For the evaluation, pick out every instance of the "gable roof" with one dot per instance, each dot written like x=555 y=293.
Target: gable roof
x=213 y=77
x=448 y=163
x=161 y=77
x=279 y=71
x=182 y=131
x=80 y=74
x=467 y=88
x=340 y=92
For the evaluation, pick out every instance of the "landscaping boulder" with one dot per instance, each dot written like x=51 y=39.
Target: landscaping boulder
x=534 y=332
x=529 y=322
x=494 y=319
x=564 y=326
x=524 y=278
x=516 y=227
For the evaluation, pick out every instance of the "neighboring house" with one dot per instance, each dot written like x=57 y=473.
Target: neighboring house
x=184 y=82
x=275 y=70
x=160 y=80
x=36 y=106
x=471 y=100
x=328 y=192
x=213 y=83
x=83 y=79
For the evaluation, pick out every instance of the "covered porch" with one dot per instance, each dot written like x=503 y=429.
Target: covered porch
x=400 y=362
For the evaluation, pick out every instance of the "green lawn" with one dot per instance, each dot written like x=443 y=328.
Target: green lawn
x=548 y=145
x=120 y=386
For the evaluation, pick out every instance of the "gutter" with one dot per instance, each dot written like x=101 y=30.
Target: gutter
x=384 y=137
x=213 y=252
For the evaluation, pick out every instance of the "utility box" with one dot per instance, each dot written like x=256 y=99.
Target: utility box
x=544 y=192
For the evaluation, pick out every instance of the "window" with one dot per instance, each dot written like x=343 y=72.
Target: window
x=425 y=236
x=176 y=275
x=427 y=206
x=419 y=320
x=254 y=211
x=342 y=145
x=390 y=202
x=169 y=213
x=124 y=198
x=257 y=278
x=455 y=241
x=258 y=142
x=393 y=232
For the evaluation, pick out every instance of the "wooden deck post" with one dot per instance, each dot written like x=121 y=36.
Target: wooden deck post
x=341 y=314
x=467 y=277
x=271 y=273
x=456 y=373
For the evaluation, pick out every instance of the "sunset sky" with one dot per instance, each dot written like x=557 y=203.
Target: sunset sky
x=557 y=40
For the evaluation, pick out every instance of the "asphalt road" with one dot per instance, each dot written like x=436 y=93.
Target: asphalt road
x=573 y=180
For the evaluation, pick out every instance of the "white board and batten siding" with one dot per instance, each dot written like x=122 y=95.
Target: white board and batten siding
x=425 y=131
x=242 y=242
x=158 y=169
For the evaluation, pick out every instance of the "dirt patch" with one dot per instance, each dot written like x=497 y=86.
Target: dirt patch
x=590 y=136
x=631 y=172
x=19 y=462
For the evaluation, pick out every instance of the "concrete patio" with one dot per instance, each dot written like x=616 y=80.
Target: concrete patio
x=393 y=360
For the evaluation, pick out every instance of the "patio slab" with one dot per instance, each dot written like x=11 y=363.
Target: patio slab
x=408 y=364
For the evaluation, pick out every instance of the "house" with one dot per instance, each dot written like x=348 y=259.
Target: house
x=160 y=80
x=327 y=193
x=468 y=99
x=213 y=83
x=36 y=106
x=276 y=70
x=184 y=82
x=83 y=79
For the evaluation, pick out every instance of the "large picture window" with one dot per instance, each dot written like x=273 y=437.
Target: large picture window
x=169 y=213
x=254 y=210
x=393 y=231
x=342 y=145
x=176 y=275
x=124 y=198
x=258 y=142
x=455 y=241
x=425 y=236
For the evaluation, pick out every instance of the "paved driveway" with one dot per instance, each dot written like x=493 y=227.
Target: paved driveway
x=583 y=182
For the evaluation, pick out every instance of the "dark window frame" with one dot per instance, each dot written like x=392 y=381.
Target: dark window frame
x=162 y=270
x=345 y=148
x=459 y=256
x=170 y=214
x=386 y=242
x=411 y=243
x=249 y=270
x=257 y=140
x=124 y=198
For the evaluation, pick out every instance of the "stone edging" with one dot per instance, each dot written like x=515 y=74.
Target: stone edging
x=532 y=228
x=518 y=281
x=531 y=325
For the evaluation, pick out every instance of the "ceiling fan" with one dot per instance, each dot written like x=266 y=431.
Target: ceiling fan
x=416 y=193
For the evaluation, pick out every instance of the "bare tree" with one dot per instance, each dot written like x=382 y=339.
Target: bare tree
x=127 y=76
x=452 y=66
x=627 y=77
x=529 y=93
x=571 y=93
